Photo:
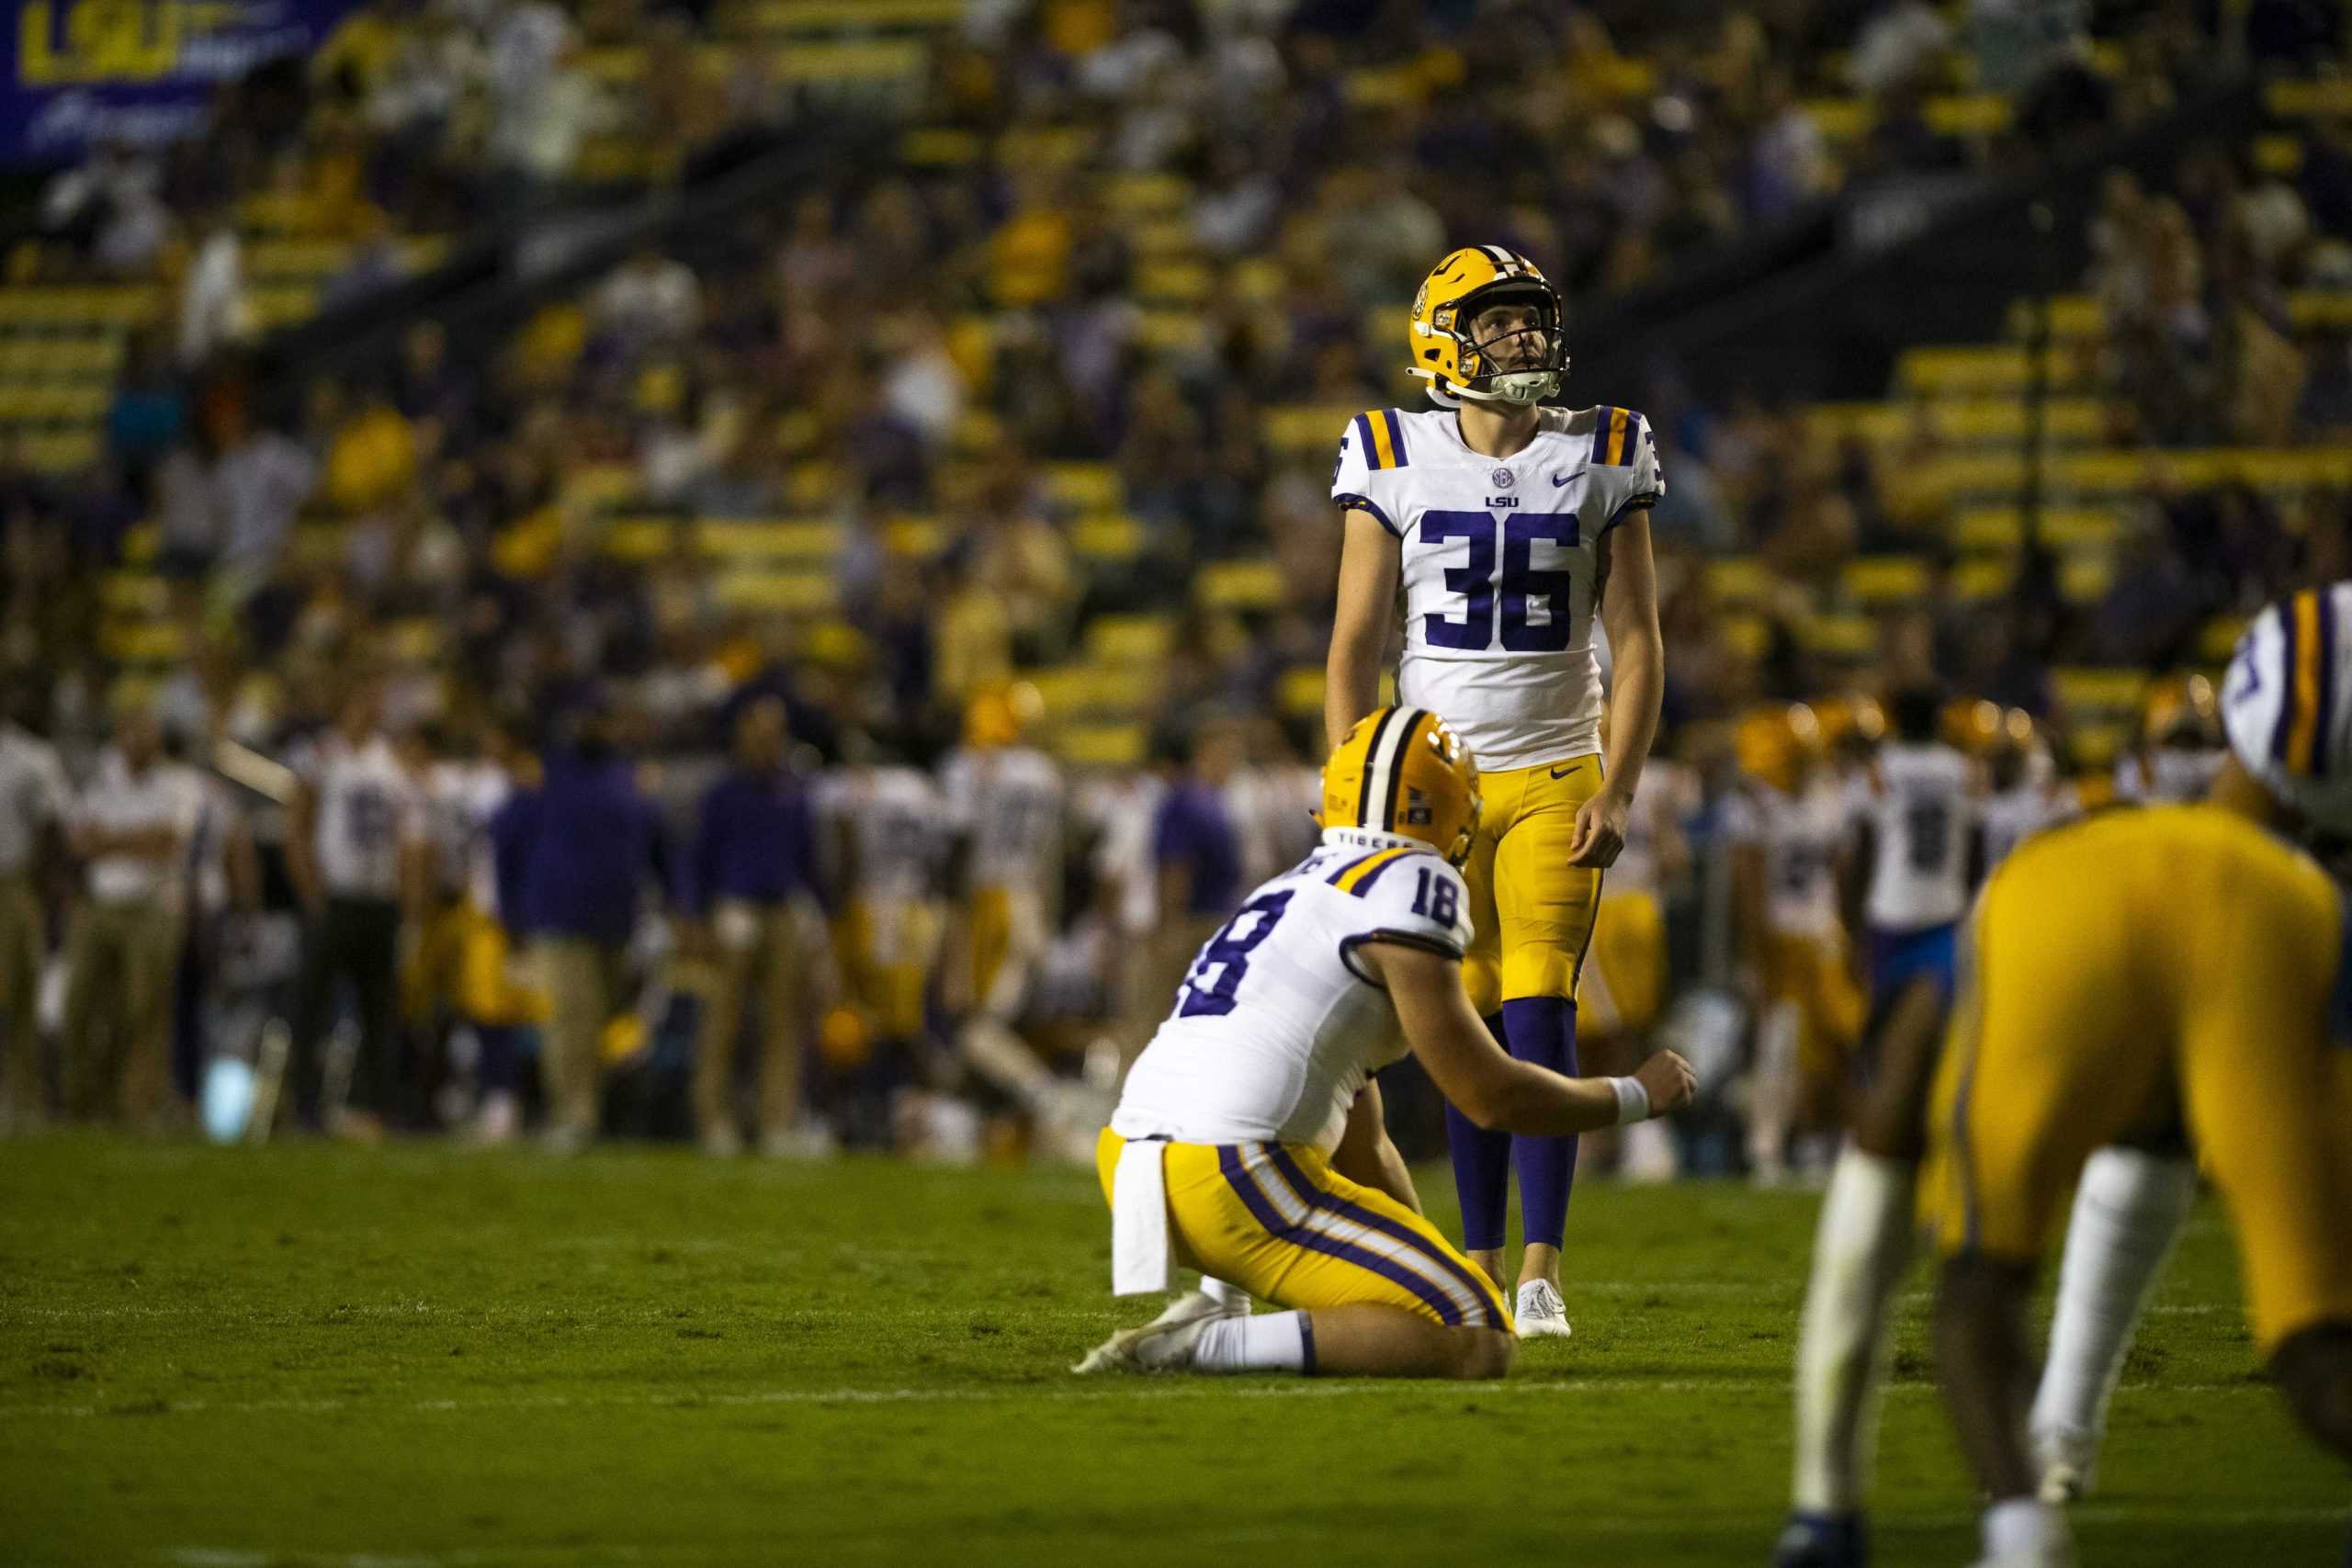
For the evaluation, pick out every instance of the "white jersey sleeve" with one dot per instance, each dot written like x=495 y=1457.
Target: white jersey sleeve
x=1371 y=467
x=1276 y=1026
x=2287 y=704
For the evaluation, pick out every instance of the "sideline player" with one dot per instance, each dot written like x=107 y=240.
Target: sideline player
x=2069 y=1038
x=1919 y=830
x=1222 y=1154
x=1507 y=525
x=1785 y=823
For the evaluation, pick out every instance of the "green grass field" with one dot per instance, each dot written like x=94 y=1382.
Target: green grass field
x=424 y=1356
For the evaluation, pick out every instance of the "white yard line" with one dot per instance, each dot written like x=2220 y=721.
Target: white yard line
x=1138 y=1388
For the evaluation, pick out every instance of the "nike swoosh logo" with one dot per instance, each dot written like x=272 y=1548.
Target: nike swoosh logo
x=1563 y=772
x=1560 y=479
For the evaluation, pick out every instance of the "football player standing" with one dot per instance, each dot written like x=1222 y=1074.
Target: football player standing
x=1507 y=525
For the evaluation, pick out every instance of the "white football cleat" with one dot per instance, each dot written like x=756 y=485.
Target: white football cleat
x=2069 y=1461
x=1199 y=1304
x=1541 y=1314
x=1163 y=1345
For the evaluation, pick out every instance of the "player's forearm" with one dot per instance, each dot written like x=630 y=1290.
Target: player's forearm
x=1351 y=686
x=1638 y=690
x=1535 y=1102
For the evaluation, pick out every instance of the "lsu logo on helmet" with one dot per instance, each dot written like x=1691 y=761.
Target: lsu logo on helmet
x=1458 y=366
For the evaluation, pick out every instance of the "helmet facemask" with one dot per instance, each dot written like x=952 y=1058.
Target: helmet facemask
x=1482 y=378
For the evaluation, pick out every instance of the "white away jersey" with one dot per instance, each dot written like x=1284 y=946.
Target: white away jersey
x=1274 y=1029
x=1798 y=835
x=370 y=809
x=1499 y=567
x=2012 y=815
x=891 y=817
x=1920 y=802
x=2287 y=703
x=1010 y=802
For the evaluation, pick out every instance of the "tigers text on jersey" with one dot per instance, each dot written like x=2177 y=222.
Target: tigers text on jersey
x=2287 y=703
x=1799 y=834
x=1499 y=557
x=369 y=808
x=1920 y=803
x=1274 y=1029
x=1010 y=802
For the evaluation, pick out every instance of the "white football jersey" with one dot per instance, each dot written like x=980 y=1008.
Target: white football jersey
x=891 y=816
x=1799 y=834
x=2013 y=815
x=1274 y=1029
x=2287 y=703
x=2166 y=775
x=370 y=808
x=1920 y=802
x=1010 y=802
x=1499 y=567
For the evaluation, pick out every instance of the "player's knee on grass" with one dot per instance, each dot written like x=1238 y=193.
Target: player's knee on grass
x=1481 y=1353
x=2314 y=1366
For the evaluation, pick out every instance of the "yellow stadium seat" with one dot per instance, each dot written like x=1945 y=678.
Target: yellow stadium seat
x=2219 y=640
x=1173 y=332
x=1173 y=282
x=417 y=640
x=144 y=642
x=1295 y=428
x=1975 y=114
x=62 y=451
x=1740 y=581
x=1874 y=580
x=856 y=15
x=1132 y=639
x=1086 y=486
x=1102 y=745
x=2097 y=745
x=1107 y=536
x=784 y=590
x=1240 y=585
x=2313 y=308
x=2291 y=99
x=2081 y=689
x=731 y=538
x=2279 y=155
x=1984 y=577
x=133 y=593
x=639 y=538
x=919 y=536
x=941 y=147
x=832 y=643
x=1136 y=195
x=1746 y=636
x=139 y=545
x=1300 y=691
x=1840 y=636
x=866 y=61
x=2083 y=579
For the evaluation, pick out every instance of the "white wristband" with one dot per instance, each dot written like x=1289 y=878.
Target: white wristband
x=1633 y=1100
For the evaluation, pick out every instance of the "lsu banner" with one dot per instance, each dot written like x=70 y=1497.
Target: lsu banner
x=142 y=70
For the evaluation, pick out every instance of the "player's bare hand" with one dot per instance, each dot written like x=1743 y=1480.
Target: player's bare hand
x=1600 y=828
x=1669 y=1081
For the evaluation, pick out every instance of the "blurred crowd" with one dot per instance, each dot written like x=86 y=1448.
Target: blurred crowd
x=417 y=581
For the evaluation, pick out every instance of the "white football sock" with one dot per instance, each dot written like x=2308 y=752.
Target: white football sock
x=1229 y=1297
x=1773 y=1086
x=1271 y=1342
x=1860 y=1250
x=2024 y=1530
x=2128 y=1211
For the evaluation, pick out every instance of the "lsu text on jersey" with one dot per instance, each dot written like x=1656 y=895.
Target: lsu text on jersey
x=1499 y=568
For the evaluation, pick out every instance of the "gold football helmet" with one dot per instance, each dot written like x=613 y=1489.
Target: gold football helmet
x=1455 y=365
x=1402 y=774
x=1776 y=743
x=2181 y=710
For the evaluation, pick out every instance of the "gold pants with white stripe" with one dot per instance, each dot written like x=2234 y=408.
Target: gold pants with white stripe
x=1276 y=1219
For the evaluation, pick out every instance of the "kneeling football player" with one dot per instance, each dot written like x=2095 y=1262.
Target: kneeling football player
x=1221 y=1153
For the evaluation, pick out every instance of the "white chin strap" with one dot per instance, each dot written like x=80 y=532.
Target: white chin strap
x=1518 y=387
